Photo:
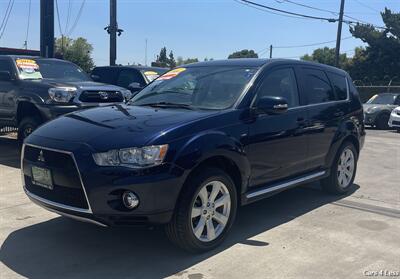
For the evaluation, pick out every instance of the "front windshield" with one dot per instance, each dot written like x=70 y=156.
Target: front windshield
x=49 y=69
x=197 y=87
x=382 y=99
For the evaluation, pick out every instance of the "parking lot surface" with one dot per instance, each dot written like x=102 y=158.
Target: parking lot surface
x=300 y=233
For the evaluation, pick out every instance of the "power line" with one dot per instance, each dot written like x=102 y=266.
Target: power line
x=288 y=12
x=368 y=7
x=263 y=10
x=27 y=27
x=58 y=19
x=68 y=16
x=5 y=15
x=77 y=18
x=314 y=44
x=6 y=18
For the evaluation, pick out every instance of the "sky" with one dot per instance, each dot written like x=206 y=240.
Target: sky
x=194 y=28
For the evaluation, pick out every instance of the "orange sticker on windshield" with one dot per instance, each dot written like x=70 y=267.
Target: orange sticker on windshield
x=172 y=74
x=27 y=64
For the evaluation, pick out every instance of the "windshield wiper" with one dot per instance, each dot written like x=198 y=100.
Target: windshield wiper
x=167 y=104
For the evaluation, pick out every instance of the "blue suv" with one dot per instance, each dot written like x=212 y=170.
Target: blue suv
x=197 y=143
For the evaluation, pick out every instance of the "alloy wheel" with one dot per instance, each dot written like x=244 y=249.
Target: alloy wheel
x=346 y=167
x=210 y=211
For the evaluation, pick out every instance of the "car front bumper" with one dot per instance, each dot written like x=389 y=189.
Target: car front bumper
x=394 y=121
x=370 y=118
x=102 y=187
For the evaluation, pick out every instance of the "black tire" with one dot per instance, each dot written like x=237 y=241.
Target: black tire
x=382 y=121
x=180 y=231
x=27 y=126
x=331 y=183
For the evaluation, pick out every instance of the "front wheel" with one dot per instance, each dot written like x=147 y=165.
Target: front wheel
x=382 y=122
x=205 y=211
x=343 y=170
x=27 y=126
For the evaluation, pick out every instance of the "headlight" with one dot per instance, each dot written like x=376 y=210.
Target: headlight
x=62 y=94
x=371 y=110
x=127 y=94
x=148 y=156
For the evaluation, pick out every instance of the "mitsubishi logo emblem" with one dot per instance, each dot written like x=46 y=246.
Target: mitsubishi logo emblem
x=41 y=157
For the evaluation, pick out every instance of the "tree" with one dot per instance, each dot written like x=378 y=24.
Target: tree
x=245 y=53
x=163 y=60
x=180 y=61
x=326 y=55
x=171 y=60
x=380 y=60
x=77 y=51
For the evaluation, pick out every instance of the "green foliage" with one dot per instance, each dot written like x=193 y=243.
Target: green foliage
x=381 y=58
x=180 y=61
x=245 y=53
x=77 y=51
x=163 y=60
x=326 y=55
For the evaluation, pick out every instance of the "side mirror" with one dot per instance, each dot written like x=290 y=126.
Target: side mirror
x=272 y=105
x=95 y=77
x=5 y=76
x=135 y=86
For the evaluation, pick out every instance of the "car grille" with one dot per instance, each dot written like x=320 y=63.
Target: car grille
x=67 y=187
x=396 y=122
x=95 y=96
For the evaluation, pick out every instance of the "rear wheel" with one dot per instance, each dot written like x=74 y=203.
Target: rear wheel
x=205 y=211
x=27 y=126
x=382 y=121
x=343 y=170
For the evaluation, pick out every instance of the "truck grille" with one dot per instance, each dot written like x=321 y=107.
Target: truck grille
x=67 y=187
x=95 y=96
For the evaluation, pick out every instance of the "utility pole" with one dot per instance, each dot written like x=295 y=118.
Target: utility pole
x=113 y=32
x=145 y=54
x=47 y=28
x=339 y=34
x=270 y=51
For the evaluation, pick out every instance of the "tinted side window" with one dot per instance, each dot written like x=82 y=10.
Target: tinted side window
x=127 y=77
x=317 y=87
x=339 y=84
x=106 y=75
x=280 y=83
x=5 y=65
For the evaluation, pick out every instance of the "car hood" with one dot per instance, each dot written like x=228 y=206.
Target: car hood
x=123 y=126
x=377 y=106
x=81 y=85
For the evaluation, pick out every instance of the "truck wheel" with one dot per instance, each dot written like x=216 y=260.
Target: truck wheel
x=27 y=126
x=343 y=170
x=382 y=121
x=204 y=212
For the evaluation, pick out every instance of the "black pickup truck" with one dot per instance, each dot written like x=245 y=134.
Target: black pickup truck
x=35 y=90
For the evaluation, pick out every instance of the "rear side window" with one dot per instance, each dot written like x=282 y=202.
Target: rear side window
x=317 y=87
x=5 y=65
x=280 y=83
x=126 y=77
x=339 y=84
x=106 y=75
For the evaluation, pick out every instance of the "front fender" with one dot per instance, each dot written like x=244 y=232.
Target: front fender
x=207 y=145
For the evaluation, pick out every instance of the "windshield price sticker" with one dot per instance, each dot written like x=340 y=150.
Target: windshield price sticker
x=151 y=75
x=172 y=74
x=28 y=68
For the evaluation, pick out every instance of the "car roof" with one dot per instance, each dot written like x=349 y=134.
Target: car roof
x=13 y=57
x=140 y=68
x=257 y=62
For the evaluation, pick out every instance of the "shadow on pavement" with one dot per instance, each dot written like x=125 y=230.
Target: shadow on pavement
x=62 y=248
x=10 y=151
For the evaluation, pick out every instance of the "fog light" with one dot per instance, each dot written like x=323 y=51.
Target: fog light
x=130 y=200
